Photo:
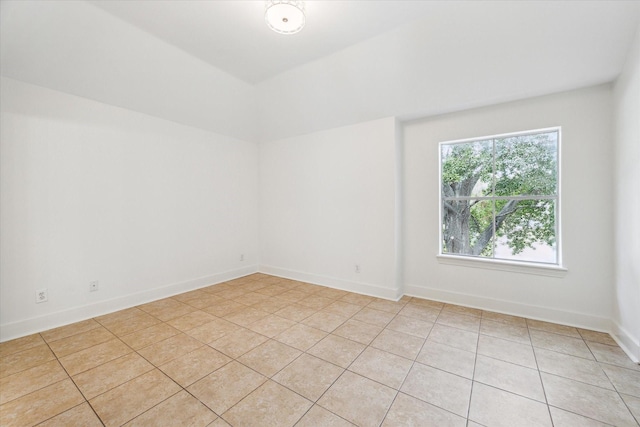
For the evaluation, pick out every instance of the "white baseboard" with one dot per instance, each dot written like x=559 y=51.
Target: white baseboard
x=332 y=282
x=33 y=325
x=563 y=317
x=626 y=341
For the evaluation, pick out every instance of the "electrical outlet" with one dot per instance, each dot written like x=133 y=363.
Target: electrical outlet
x=42 y=295
x=357 y=268
x=93 y=286
x=241 y=257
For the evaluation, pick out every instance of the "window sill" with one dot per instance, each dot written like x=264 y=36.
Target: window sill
x=511 y=266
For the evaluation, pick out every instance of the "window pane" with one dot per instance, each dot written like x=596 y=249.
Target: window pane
x=526 y=230
x=467 y=227
x=467 y=169
x=527 y=165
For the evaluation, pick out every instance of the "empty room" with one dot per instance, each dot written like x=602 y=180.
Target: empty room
x=319 y=213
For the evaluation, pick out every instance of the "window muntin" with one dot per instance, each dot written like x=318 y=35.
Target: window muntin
x=499 y=197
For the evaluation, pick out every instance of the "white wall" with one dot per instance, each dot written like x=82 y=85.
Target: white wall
x=78 y=48
x=626 y=314
x=583 y=297
x=94 y=192
x=327 y=203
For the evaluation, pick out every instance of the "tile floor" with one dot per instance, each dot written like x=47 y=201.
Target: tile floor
x=264 y=351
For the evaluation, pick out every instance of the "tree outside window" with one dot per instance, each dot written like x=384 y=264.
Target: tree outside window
x=499 y=197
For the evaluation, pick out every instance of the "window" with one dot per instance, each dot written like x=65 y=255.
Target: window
x=499 y=197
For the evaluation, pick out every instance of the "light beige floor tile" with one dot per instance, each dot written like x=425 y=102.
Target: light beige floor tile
x=251 y=298
x=301 y=336
x=269 y=405
x=166 y=309
x=24 y=360
x=95 y=356
x=560 y=344
x=112 y=374
x=20 y=344
x=206 y=301
x=563 y=418
x=493 y=407
x=374 y=317
x=225 y=387
x=454 y=337
x=270 y=357
x=148 y=336
x=428 y=314
x=181 y=409
x=509 y=377
x=626 y=381
x=187 y=369
x=271 y=325
x=439 y=388
x=127 y=401
x=408 y=411
x=224 y=308
x=318 y=416
x=331 y=293
x=504 y=318
x=509 y=351
x=324 y=321
x=30 y=380
x=131 y=324
x=68 y=330
x=191 y=295
x=315 y=301
x=342 y=308
x=232 y=292
x=169 y=349
x=459 y=309
x=359 y=400
x=118 y=316
x=309 y=376
x=213 y=330
x=295 y=312
x=411 y=326
x=633 y=403
x=237 y=343
x=553 y=328
x=426 y=303
x=40 y=405
x=292 y=295
x=572 y=367
x=358 y=331
x=337 y=350
x=246 y=316
x=81 y=415
x=356 y=299
x=505 y=331
x=590 y=401
x=460 y=321
x=612 y=355
x=271 y=305
x=84 y=340
x=272 y=290
x=448 y=359
x=386 y=305
x=599 y=337
x=191 y=320
x=381 y=366
x=407 y=346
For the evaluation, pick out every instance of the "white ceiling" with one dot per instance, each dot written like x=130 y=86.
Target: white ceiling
x=215 y=65
x=232 y=36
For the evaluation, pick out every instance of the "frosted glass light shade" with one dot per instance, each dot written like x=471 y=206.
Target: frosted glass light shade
x=284 y=16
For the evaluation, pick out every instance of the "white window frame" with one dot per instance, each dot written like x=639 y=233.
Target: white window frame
x=532 y=267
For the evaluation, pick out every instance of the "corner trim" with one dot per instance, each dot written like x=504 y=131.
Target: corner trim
x=627 y=342
x=45 y=322
x=333 y=282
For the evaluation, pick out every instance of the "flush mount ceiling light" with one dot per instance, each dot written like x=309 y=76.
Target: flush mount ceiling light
x=284 y=16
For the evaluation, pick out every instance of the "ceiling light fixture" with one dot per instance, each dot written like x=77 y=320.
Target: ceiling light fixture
x=284 y=16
